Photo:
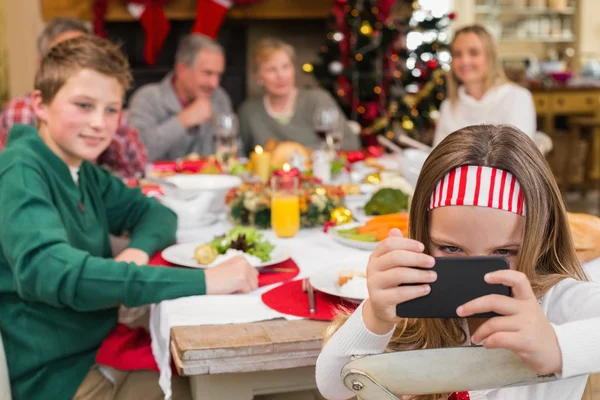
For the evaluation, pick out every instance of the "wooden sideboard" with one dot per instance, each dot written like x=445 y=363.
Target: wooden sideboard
x=551 y=103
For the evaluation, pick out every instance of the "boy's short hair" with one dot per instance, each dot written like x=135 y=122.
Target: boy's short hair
x=57 y=27
x=84 y=52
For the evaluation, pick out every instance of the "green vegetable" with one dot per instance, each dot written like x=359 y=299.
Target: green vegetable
x=352 y=234
x=237 y=169
x=387 y=201
x=338 y=165
x=246 y=239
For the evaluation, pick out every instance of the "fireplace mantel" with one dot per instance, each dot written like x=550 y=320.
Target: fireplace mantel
x=186 y=9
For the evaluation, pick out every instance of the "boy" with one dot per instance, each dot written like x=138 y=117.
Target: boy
x=59 y=289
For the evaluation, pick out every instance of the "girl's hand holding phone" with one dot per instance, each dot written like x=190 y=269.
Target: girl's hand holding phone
x=389 y=266
x=522 y=327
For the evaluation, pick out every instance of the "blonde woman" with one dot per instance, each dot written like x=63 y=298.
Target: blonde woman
x=553 y=319
x=284 y=112
x=478 y=90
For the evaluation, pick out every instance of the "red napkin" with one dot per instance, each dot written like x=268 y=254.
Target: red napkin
x=290 y=299
x=127 y=349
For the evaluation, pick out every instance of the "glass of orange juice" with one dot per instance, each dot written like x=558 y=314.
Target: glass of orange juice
x=285 y=205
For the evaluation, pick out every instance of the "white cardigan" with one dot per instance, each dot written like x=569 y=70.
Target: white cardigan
x=572 y=307
x=504 y=104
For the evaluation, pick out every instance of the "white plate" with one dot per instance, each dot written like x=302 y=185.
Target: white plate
x=356 y=244
x=183 y=254
x=326 y=280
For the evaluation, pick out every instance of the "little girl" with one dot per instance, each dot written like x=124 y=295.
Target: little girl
x=484 y=191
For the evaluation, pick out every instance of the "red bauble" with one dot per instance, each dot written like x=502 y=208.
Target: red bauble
x=452 y=15
x=432 y=64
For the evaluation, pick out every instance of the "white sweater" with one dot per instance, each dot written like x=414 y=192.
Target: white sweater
x=572 y=307
x=504 y=104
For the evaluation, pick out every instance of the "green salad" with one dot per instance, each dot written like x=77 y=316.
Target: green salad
x=245 y=239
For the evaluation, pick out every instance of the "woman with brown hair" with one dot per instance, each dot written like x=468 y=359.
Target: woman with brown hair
x=484 y=191
x=284 y=112
x=478 y=90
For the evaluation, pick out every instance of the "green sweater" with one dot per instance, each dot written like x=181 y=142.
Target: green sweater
x=59 y=288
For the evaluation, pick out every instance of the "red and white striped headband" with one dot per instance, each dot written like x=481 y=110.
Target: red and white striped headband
x=472 y=185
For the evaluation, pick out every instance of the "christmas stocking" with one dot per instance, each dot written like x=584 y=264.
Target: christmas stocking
x=209 y=16
x=151 y=15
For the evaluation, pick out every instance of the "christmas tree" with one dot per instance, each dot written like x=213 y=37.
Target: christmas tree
x=384 y=61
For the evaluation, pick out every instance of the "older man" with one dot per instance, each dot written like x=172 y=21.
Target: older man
x=174 y=115
x=126 y=155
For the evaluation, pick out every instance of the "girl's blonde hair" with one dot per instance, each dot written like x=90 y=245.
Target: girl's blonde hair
x=266 y=48
x=547 y=254
x=495 y=75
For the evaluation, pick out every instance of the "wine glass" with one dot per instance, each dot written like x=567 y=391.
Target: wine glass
x=226 y=130
x=327 y=123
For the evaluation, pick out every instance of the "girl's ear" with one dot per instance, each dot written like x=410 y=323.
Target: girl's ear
x=39 y=108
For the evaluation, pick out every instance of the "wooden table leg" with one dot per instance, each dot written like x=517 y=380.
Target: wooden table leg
x=572 y=149
x=244 y=386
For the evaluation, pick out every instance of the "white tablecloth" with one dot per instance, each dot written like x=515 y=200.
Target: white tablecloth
x=311 y=249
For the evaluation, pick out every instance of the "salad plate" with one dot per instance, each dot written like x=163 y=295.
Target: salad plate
x=243 y=241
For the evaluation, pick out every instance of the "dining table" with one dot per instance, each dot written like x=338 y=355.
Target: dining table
x=235 y=346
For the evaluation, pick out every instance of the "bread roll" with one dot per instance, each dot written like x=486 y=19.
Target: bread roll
x=585 y=229
x=345 y=276
x=284 y=152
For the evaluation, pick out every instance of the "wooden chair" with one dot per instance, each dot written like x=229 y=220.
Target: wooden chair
x=4 y=380
x=583 y=174
x=390 y=375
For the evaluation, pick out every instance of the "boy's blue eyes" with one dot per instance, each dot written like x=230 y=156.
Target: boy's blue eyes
x=457 y=250
x=87 y=107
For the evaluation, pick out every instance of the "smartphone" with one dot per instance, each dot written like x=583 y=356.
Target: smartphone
x=459 y=280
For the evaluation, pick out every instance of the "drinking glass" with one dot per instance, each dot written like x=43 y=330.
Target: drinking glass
x=226 y=130
x=327 y=123
x=285 y=205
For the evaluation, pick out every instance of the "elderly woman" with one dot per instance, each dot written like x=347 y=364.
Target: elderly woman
x=478 y=90
x=284 y=112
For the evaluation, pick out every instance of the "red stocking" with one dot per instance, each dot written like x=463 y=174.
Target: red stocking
x=209 y=16
x=156 y=27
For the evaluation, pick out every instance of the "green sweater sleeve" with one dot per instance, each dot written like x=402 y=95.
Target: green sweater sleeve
x=46 y=268
x=152 y=226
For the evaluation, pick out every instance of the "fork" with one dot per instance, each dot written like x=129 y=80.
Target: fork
x=307 y=288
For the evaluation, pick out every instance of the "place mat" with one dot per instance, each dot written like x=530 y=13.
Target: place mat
x=289 y=298
x=264 y=279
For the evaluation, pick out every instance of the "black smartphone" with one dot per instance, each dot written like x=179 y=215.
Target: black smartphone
x=459 y=280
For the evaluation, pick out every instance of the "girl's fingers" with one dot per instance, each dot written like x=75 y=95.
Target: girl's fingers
x=494 y=325
x=401 y=275
x=402 y=294
x=517 y=281
x=392 y=243
x=497 y=303
x=401 y=258
x=505 y=340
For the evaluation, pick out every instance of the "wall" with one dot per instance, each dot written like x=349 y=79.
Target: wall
x=4 y=79
x=589 y=30
x=23 y=25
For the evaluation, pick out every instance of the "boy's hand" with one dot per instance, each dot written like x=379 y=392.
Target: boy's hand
x=522 y=327
x=133 y=256
x=235 y=275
